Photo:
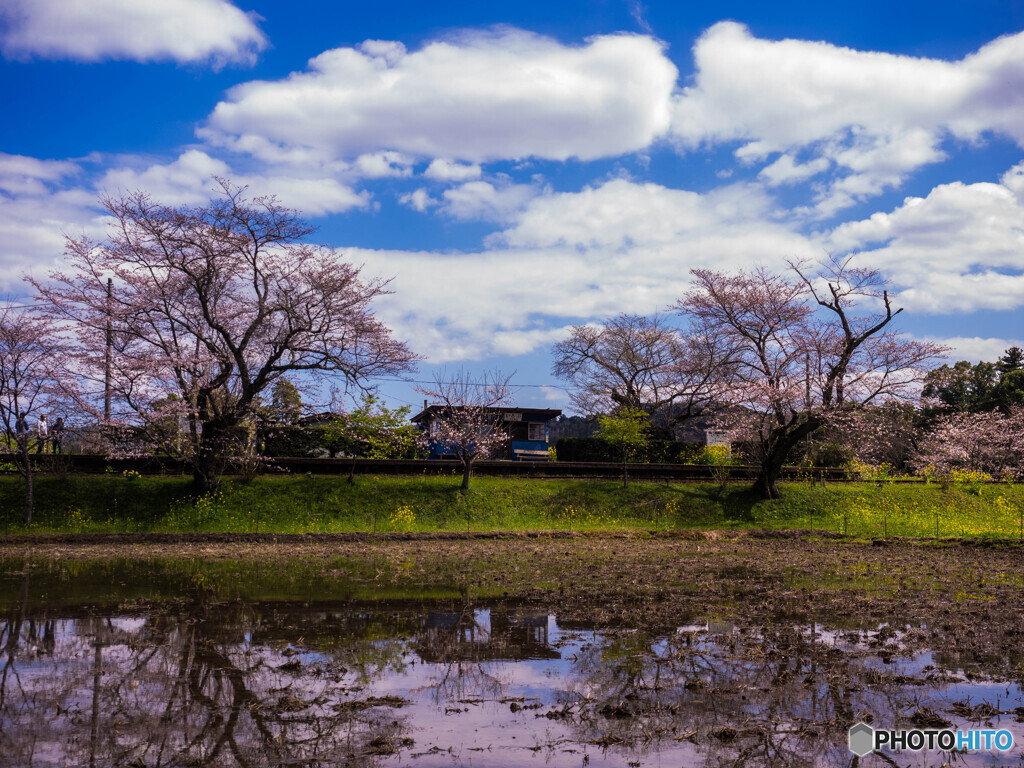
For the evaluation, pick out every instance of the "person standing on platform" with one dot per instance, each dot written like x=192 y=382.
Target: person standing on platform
x=57 y=435
x=21 y=431
x=42 y=434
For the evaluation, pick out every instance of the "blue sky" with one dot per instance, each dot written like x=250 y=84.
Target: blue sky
x=520 y=168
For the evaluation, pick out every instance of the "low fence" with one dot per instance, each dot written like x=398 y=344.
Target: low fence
x=547 y=469
x=91 y=464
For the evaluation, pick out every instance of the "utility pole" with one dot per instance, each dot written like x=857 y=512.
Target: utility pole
x=807 y=382
x=107 y=361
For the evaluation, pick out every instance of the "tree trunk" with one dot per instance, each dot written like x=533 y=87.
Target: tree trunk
x=625 y=476
x=780 y=443
x=29 y=492
x=206 y=473
x=767 y=481
x=467 y=472
x=212 y=457
x=27 y=473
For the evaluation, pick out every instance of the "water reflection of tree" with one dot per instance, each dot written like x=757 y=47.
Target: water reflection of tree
x=463 y=643
x=778 y=696
x=367 y=641
x=189 y=687
x=458 y=644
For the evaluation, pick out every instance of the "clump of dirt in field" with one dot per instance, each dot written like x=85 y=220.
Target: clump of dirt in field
x=373 y=701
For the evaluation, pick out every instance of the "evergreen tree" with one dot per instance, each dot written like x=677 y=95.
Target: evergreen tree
x=960 y=388
x=1012 y=360
x=285 y=402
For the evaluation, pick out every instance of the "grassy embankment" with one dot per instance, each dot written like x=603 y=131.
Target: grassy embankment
x=295 y=504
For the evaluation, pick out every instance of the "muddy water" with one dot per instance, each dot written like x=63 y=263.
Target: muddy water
x=138 y=663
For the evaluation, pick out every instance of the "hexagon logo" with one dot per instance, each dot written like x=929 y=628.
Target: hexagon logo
x=862 y=739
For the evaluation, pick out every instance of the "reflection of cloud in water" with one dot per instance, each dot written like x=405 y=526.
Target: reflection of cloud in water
x=130 y=625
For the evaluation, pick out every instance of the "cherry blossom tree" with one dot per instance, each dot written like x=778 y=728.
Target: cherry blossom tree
x=642 y=364
x=803 y=348
x=467 y=416
x=887 y=433
x=32 y=382
x=990 y=442
x=214 y=304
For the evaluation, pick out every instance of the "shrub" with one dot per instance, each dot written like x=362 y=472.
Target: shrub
x=716 y=455
x=969 y=480
x=287 y=440
x=594 y=449
x=859 y=470
x=402 y=519
x=829 y=455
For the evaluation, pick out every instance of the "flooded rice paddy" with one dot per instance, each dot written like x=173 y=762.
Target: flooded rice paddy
x=156 y=662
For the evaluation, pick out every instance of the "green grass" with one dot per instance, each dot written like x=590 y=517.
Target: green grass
x=311 y=503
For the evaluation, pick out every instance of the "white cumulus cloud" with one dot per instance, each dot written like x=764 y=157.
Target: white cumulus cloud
x=443 y=169
x=37 y=206
x=786 y=170
x=478 y=96
x=621 y=215
x=190 y=180
x=42 y=200
x=976 y=349
x=875 y=116
x=567 y=257
x=380 y=165
x=419 y=200
x=482 y=200
x=959 y=249
x=22 y=175
x=138 y=30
